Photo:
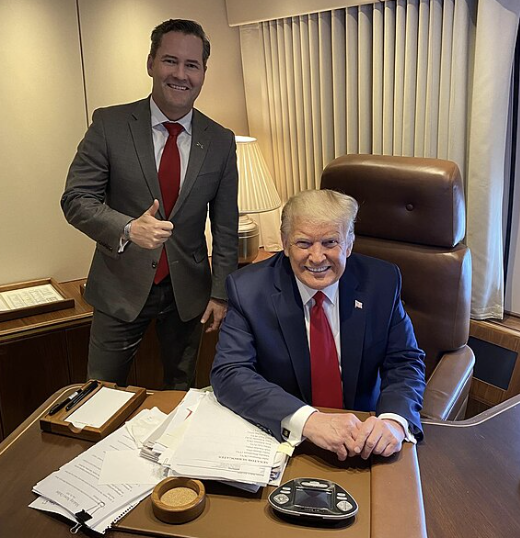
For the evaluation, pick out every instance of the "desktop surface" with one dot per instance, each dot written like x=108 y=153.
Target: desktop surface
x=29 y=454
x=470 y=473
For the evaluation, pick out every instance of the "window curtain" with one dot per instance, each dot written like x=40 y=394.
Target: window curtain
x=425 y=78
x=497 y=27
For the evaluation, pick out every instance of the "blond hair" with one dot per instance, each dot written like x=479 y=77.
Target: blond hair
x=320 y=207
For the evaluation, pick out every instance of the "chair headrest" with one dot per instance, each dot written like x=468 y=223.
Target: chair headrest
x=411 y=199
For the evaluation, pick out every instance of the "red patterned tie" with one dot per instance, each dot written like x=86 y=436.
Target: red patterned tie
x=325 y=376
x=170 y=181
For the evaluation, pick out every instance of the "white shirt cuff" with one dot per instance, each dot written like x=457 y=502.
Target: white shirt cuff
x=408 y=435
x=292 y=425
x=122 y=244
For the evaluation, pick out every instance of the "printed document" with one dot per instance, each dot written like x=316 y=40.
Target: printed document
x=218 y=444
x=75 y=486
x=24 y=297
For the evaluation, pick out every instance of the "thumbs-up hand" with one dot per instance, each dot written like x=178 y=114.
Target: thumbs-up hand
x=152 y=210
x=149 y=232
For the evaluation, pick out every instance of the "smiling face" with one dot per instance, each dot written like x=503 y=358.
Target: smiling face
x=318 y=252
x=178 y=73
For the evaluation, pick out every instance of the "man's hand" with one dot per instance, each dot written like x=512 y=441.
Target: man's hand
x=382 y=437
x=345 y=435
x=218 y=308
x=336 y=432
x=148 y=231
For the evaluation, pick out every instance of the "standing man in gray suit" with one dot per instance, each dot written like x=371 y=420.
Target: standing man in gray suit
x=151 y=262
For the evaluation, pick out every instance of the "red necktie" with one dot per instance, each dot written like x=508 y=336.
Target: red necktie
x=325 y=376
x=170 y=181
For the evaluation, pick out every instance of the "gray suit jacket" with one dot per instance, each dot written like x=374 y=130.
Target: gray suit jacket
x=113 y=179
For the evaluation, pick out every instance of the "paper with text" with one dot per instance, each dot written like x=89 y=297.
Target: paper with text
x=31 y=296
x=219 y=444
x=75 y=486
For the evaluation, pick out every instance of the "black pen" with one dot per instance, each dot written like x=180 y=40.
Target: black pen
x=60 y=405
x=85 y=392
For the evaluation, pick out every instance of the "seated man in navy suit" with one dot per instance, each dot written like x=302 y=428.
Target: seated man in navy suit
x=285 y=348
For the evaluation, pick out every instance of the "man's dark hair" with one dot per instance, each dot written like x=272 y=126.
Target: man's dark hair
x=185 y=27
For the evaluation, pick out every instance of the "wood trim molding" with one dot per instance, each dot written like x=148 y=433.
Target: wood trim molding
x=505 y=334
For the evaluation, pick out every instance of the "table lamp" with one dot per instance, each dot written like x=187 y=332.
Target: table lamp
x=256 y=194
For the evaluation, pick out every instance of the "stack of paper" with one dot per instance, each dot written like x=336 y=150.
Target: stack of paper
x=168 y=434
x=206 y=440
x=199 y=439
x=77 y=492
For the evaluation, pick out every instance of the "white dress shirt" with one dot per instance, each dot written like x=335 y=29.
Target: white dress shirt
x=292 y=425
x=160 y=136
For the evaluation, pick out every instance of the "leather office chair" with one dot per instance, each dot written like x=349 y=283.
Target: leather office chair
x=412 y=213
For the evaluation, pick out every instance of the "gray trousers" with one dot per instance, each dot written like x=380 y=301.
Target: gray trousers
x=113 y=343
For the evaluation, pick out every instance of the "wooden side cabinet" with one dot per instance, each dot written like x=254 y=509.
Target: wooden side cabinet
x=30 y=370
x=39 y=355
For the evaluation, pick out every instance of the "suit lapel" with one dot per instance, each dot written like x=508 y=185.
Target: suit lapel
x=289 y=310
x=352 y=326
x=200 y=142
x=141 y=128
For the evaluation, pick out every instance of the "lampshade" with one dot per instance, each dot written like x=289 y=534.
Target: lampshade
x=256 y=194
x=256 y=190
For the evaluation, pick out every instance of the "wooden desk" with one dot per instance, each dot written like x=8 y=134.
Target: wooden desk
x=470 y=473
x=28 y=455
x=470 y=476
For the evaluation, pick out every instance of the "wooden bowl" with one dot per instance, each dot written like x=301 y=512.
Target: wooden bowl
x=178 y=500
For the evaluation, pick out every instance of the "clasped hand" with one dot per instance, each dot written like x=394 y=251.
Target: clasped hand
x=346 y=435
x=149 y=232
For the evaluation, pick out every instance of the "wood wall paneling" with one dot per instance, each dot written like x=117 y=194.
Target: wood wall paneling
x=30 y=370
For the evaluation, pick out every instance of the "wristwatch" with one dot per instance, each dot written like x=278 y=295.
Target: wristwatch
x=126 y=231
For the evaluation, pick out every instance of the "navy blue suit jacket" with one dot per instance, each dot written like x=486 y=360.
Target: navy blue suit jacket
x=262 y=365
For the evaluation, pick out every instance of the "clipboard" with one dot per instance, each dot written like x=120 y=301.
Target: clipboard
x=59 y=424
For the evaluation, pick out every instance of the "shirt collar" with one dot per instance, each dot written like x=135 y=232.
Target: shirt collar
x=308 y=293
x=158 y=117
